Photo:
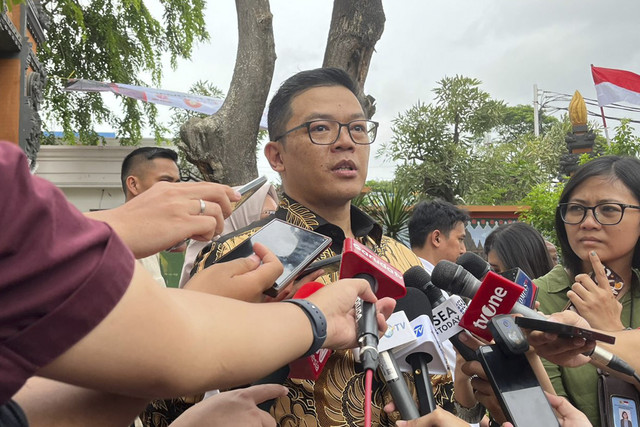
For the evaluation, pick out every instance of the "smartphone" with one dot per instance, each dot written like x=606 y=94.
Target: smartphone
x=563 y=330
x=295 y=247
x=329 y=265
x=248 y=190
x=517 y=388
x=623 y=409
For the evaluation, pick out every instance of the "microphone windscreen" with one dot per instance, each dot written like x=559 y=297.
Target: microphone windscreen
x=414 y=304
x=474 y=264
x=416 y=277
x=443 y=275
x=307 y=289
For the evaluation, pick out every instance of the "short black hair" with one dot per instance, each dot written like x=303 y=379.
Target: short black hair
x=520 y=245
x=280 y=105
x=434 y=215
x=140 y=155
x=623 y=168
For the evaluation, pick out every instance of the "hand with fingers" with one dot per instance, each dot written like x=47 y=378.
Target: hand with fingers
x=243 y=279
x=594 y=300
x=168 y=213
x=566 y=352
x=237 y=407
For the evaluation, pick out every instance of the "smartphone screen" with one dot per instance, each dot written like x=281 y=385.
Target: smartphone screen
x=295 y=247
x=563 y=330
x=624 y=413
x=517 y=388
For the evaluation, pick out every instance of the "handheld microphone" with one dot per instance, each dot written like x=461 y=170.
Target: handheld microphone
x=519 y=277
x=474 y=264
x=455 y=279
x=425 y=352
x=418 y=278
x=310 y=367
x=358 y=261
x=477 y=266
x=446 y=313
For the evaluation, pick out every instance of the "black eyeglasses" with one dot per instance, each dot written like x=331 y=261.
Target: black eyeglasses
x=604 y=213
x=327 y=132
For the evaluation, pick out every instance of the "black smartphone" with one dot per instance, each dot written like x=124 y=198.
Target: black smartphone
x=563 y=330
x=517 y=388
x=295 y=247
x=248 y=190
x=329 y=265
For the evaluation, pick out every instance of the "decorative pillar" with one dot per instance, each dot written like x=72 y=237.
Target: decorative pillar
x=581 y=139
x=22 y=77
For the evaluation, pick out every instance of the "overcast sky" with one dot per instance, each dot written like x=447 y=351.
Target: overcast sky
x=508 y=45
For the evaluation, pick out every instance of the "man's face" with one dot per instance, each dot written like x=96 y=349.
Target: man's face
x=323 y=174
x=154 y=171
x=452 y=247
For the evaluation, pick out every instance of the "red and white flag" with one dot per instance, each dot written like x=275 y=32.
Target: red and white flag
x=616 y=85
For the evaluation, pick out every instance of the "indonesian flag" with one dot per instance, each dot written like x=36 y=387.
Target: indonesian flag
x=616 y=85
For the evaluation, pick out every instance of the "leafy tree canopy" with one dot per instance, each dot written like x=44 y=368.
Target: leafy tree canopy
x=113 y=41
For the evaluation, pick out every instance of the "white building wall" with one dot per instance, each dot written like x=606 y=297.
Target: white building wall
x=88 y=175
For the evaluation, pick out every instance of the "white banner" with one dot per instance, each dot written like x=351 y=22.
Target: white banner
x=198 y=103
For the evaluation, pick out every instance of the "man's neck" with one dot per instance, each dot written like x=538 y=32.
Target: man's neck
x=426 y=255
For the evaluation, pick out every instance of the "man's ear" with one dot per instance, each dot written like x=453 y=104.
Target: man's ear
x=435 y=238
x=273 y=152
x=132 y=185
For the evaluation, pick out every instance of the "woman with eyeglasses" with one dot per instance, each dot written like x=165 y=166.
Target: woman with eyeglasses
x=598 y=227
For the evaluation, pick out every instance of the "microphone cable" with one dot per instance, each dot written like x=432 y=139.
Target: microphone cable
x=368 y=385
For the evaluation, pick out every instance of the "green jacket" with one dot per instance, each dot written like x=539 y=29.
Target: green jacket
x=579 y=385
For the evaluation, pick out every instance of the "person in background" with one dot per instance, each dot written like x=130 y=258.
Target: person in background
x=518 y=245
x=597 y=222
x=141 y=169
x=553 y=252
x=437 y=232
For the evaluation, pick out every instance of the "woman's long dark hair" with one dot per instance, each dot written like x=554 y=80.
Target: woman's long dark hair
x=625 y=169
x=520 y=245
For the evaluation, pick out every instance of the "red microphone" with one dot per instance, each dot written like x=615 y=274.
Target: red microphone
x=358 y=261
x=310 y=367
x=496 y=295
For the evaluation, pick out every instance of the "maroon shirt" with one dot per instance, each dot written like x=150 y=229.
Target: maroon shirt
x=60 y=272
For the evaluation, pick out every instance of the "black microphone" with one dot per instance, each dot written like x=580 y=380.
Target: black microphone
x=394 y=379
x=455 y=279
x=416 y=304
x=417 y=278
x=474 y=264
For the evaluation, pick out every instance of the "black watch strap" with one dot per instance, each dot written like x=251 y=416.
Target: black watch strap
x=317 y=320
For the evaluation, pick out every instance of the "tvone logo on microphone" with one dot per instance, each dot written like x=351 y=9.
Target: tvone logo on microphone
x=490 y=309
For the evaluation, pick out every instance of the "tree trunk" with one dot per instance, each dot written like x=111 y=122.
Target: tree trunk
x=223 y=146
x=356 y=27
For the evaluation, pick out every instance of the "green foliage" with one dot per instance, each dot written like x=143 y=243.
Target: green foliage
x=518 y=121
x=623 y=143
x=113 y=41
x=542 y=201
x=505 y=172
x=471 y=148
x=392 y=209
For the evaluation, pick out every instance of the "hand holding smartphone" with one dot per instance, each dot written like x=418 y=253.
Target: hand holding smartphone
x=563 y=330
x=295 y=247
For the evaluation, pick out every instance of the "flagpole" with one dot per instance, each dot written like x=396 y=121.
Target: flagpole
x=604 y=122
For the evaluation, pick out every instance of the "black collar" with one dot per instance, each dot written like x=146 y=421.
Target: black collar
x=362 y=225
